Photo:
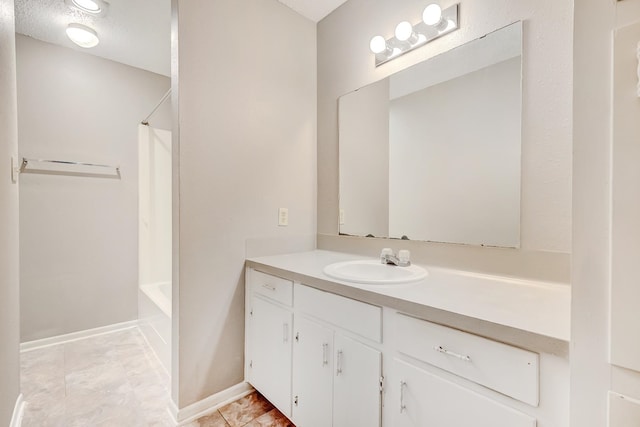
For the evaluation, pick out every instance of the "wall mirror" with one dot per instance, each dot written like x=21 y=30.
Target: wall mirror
x=433 y=152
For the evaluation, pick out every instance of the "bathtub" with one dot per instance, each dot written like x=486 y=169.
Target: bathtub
x=154 y=313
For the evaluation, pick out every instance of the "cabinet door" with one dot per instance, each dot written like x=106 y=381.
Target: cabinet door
x=625 y=232
x=270 y=365
x=424 y=399
x=312 y=374
x=356 y=385
x=623 y=411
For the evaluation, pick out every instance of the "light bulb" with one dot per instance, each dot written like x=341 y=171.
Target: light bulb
x=378 y=44
x=82 y=35
x=404 y=30
x=432 y=14
x=90 y=6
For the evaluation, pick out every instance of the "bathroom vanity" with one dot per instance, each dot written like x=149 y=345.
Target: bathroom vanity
x=453 y=349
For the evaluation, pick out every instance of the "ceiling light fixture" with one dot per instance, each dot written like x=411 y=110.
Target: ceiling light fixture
x=87 y=5
x=82 y=35
x=93 y=7
x=435 y=23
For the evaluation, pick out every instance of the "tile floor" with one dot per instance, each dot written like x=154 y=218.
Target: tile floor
x=250 y=411
x=115 y=380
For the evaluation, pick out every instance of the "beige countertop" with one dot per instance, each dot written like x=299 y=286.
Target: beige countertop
x=530 y=314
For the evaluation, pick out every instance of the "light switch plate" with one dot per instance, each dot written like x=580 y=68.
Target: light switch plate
x=283 y=217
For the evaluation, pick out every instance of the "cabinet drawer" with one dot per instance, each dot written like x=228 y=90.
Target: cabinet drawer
x=355 y=316
x=500 y=367
x=273 y=287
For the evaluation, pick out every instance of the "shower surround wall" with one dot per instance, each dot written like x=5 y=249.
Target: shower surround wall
x=154 y=241
x=9 y=284
x=78 y=235
x=345 y=64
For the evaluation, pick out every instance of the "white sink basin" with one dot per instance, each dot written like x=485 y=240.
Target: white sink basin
x=373 y=272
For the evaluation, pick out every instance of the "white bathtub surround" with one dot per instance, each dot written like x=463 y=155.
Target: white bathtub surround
x=160 y=295
x=154 y=205
x=154 y=239
x=154 y=311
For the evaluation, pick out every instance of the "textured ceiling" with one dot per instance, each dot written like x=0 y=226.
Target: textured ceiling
x=134 y=32
x=137 y=33
x=313 y=9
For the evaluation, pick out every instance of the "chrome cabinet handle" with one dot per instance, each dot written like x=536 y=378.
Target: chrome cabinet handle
x=285 y=333
x=443 y=350
x=403 y=407
x=325 y=354
x=267 y=286
x=339 y=363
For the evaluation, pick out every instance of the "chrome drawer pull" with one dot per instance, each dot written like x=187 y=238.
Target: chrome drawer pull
x=270 y=287
x=442 y=350
x=339 y=363
x=402 y=405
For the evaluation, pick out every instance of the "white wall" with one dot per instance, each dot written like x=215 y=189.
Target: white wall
x=364 y=160
x=78 y=243
x=9 y=289
x=454 y=162
x=345 y=63
x=247 y=132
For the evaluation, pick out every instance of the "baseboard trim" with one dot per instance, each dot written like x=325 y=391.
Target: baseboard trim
x=75 y=336
x=208 y=405
x=18 y=412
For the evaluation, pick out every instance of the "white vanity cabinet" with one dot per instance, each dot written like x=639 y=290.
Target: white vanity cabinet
x=326 y=360
x=322 y=372
x=331 y=352
x=420 y=393
x=424 y=398
x=313 y=376
x=336 y=379
x=357 y=384
x=269 y=324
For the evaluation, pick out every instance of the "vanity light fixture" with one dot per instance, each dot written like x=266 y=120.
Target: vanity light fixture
x=432 y=15
x=404 y=32
x=82 y=35
x=379 y=45
x=435 y=23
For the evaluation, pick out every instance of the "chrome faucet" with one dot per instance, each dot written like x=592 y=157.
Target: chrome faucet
x=388 y=257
